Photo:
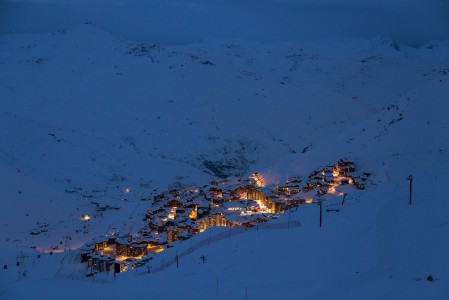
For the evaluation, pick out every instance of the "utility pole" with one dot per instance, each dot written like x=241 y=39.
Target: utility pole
x=410 y=178
x=177 y=261
x=344 y=197
x=321 y=213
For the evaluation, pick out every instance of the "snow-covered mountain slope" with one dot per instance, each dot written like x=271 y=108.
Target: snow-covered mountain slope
x=176 y=22
x=376 y=247
x=86 y=114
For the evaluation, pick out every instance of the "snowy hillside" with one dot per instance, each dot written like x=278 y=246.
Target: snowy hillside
x=181 y=22
x=90 y=119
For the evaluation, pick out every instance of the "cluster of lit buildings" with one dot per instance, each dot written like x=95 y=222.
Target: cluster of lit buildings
x=178 y=214
x=118 y=254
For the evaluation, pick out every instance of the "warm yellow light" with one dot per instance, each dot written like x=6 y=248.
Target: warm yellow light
x=158 y=250
x=85 y=217
x=331 y=190
x=107 y=248
x=263 y=208
x=260 y=181
x=336 y=171
x=193 y=214
x=121 y=258
x=172 y=213
x=308 y=201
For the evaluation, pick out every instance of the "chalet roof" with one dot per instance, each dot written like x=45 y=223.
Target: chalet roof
x=100 y=239
x=123 y=241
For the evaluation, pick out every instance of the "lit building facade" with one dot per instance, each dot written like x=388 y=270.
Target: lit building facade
x=216 y=220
